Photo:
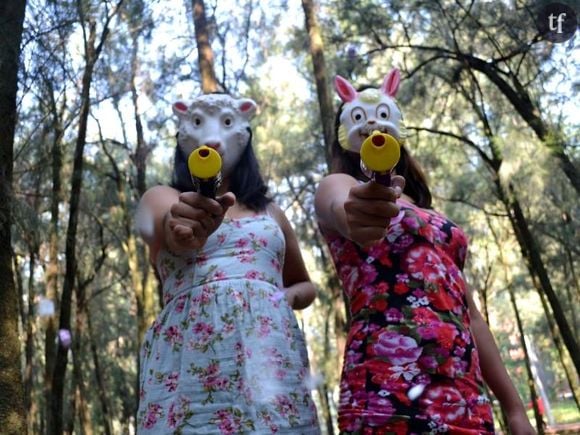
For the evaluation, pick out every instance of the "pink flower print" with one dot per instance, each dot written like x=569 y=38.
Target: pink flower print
x=154 y=413
x=157 y=327
x=172 y=381
x=201 y=260
x=241 y=243
x=219 y=275
x=228 y=423
x=221 y=237
x=180 y=303
x=173 y=335
x=379 y=409
x=246 y=256
x=444 y=401
x=177 y=411
x=408 y=371
x=262 y=241
x=276 y=265
x=285 y=406
x=204 y=331
x=393 y=315
x=265 y=325
x=398 y=348
x=453 y=367
x=212 y=368
x=252 y=274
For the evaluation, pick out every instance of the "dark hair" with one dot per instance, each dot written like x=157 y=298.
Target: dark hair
x=246 y=182
x=348 y=162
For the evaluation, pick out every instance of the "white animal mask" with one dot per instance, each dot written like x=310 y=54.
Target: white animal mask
x=218 y=121
x=369 y=110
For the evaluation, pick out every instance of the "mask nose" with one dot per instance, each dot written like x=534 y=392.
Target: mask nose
x=215 y=145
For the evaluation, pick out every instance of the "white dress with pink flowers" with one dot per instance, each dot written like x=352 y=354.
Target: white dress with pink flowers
x=226 y=355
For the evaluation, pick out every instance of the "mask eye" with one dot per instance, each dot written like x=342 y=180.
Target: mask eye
x=383 y=112
x=197 y=121
x=228 y=121
x=358 y=115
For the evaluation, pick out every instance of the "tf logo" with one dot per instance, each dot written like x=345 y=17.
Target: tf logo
x=557 y=22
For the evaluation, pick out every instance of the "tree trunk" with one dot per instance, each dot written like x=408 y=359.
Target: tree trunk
x=531 y=385
x=538 y=272
x=107 y=427
x=12 y=414
x=204 y=51
x=320 y=76
x=52 y=269
x=55 y=426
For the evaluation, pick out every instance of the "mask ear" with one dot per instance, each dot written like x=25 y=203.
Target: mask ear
x=247 y=107
x=344 y=89
x=180 y=109
x=391 y=83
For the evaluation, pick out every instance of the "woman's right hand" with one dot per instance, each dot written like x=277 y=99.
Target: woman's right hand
x=191 y=220
x=369 y=207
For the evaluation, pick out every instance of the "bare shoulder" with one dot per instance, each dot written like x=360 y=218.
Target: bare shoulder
x=279 y=216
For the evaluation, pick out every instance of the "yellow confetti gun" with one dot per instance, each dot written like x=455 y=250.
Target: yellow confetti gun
x=379 y=154
x=204 y=165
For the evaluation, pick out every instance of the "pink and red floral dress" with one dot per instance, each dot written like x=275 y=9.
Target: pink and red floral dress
x=226 y=354
x=410 y=364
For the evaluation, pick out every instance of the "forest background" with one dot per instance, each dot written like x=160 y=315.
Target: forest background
x=86 y=88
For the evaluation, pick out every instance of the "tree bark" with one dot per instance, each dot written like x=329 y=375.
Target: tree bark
x=52 y=269
x=92 y=52
x=205 y=55
x=320 y=77
x=107 y=426
x=12 y=414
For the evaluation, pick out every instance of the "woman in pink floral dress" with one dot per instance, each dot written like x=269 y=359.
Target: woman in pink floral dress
x=225 y=355
x=418 y=350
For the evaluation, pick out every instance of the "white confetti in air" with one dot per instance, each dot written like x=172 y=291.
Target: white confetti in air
x=144 y=222
x=45 y=307
x=64 y=338
x=313 y=380
x=278 y=296
x=415 y=391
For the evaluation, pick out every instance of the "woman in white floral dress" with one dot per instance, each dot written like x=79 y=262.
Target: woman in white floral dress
x=225 y=355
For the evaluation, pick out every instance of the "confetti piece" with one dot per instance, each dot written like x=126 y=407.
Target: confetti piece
x=64 y=338
x=415 y=391
x=313 y=381
x=144 y=222
x=45 y=307
x=278 y=296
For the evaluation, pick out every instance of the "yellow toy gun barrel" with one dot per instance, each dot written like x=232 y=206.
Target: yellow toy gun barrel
x=379 y=154
x=204 y=165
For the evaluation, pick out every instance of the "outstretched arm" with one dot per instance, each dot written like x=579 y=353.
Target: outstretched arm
x=359 y=212
x=300 y=291
x=495 y=374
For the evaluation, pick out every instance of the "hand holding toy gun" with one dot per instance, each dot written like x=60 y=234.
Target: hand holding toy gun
x=379 y=154
x=205 y=165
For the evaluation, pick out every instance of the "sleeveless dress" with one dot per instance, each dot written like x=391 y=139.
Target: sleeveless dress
x=226 y=354
x=410 y=363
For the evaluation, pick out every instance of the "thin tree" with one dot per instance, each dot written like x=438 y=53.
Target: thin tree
x=12 y=416
x=316 y=44
x=205 y=55
x=93 y=46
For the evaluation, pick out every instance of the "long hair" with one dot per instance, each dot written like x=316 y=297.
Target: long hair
x=348 y=162
x=246 y=181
